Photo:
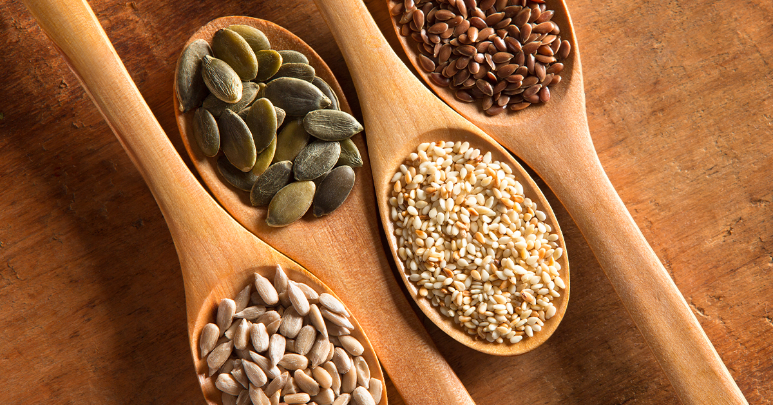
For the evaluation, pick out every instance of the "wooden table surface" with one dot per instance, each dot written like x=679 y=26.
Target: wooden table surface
x=680 y=107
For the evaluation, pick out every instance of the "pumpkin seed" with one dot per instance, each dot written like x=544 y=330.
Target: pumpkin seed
x=297 y=97
x=234 y=50
x=264 y=158
x=269 y=62
x=290 y=203
x=289 y=56
x=270 y=182
x=255 y=37
x=261 y=120
x=290 y=141
x=328 y=91
x=333 y=191
x=297 y=70
x=350 y=155
x=221 y=79
x=316 y=159
x=205 y=132
x=235 y=177
x=280 y=116
x=318 y=181
x=217 y=106
x=236 y=141
x=191 y=89
x=261 y=90
x=331 y=125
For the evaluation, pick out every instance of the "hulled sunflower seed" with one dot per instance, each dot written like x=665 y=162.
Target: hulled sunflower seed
x=342 y=360
x=333 y=190
x=261 y=120
x=316 y=159
x=331 y=125
x=221 y=79
x=269 y=62
x=294 y=399
x=325 y=397
x=276 y=177
x=319 y=351
x=208 y=339
x=376 y=389
x=239 y=375
x=328 y=91
x=297 y=70
x=332 y=371
x=290 y=203
x=363 y=371
x=277 y=384
x=251 y=313
x=225 y=312
x=298 y=299
x=289 y=56
x=228 y=399
x=350 y=155
x=235 y=177
x=190 y=86
x=308 y=292
x=280 y=279
x=276 y=348
x=349 y=380
x=236 y=139
x=243 y=299
x=361 y=396
x=342 y=399
x=297 y=97
x=292 y=323
x=305 y=340
x=290 y=141
x=254 y=373
x=266 y=290
x=351 y=345
x=257 y=396
x=219 y=355
x=269 y=369
x=292 y=362
x=227 y=384
x=306 y=383
x=242 y=336
x=233 y=49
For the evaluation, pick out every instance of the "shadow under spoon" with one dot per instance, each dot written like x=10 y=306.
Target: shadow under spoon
x=343 y=249
x=217 y=255
x=555 y=141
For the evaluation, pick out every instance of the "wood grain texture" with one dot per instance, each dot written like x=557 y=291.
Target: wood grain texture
x=91 y=296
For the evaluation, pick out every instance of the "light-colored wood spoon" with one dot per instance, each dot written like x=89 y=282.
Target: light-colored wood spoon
x=555 y=141
x=217 y=255
x=400 y=114
x=343 y=249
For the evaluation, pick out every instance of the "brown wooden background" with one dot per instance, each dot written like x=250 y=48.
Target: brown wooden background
x=680 y=106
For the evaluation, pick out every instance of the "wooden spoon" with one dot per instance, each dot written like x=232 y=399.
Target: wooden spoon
x=344 y=249
x=400 y=114
x=217 y=255
x=555 y=141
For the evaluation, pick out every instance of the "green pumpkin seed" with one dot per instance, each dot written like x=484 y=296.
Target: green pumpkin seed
x=217 y=106
x=333 y=191
x=297 y=97
x=234 y=50
x=235 y=177
x=350 y=155
x=221 y=79
x=191 y=89
x=328 y=91
x=280 y=116
x=270 y=182
x=255 y=37
x=297 y=70
x=290 y=203
x=261 y=120
x=236 y=141
x=290 y=141
x=289 y=56
x=316 y=159
x=318 y=181
x=261 y=90
x=205 y=132
x=264 y=158
x=269 y=62
x=331 y=125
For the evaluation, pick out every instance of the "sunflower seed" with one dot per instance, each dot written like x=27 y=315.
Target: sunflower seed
x=361 y=396
x=221 y=79
x=305 y=339
x=238 y=374
x=267 y=293
x=234 y=50
x=297 y=97
x=269 y=62
x=251 y=312
x=277 y=176
x=290 y=387
x=350 y=155
x=363 y=371
x=331 y=125
x=315 y=316
x=261 y=120
x=255 y=37
x=227 y=384
x=292 y=362
x=225 y=312
x=290 y=203
x=277 y=384
x=235 y=177
x=236 y=141
x=298 y=299
x=257 y=396
x=337 y=330
x=228 y=399
x=290 y=141
x=351 y=345
x=280 y=279
x=208 y=339
x=293 y=399
x=291 y=323
x=342 y=399
x=297 y=70
x=342 y=360
x=191 y=89
x=318 y=352
x=316 y=159
x=349 y=380
x=325 y=397
x=376 y=389
x=271 y=371
x=241 y=338
x=219 y=355
x=263 y=160
x=254 y=373
x=276 y=348
x=306 y=383
x=327 y=91
x=289 y=56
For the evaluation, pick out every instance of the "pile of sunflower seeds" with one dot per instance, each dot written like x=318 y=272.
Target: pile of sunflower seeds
x=286 y=343
x=282 y=135
x=473 y=244
x=503 y=52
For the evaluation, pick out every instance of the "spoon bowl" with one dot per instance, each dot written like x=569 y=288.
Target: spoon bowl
x=217 y=256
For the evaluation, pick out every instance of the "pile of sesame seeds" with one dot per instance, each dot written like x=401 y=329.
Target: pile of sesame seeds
x=473 y=244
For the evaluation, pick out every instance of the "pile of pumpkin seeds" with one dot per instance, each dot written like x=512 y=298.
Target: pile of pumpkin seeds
x=280 y=129
x=286 y=342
